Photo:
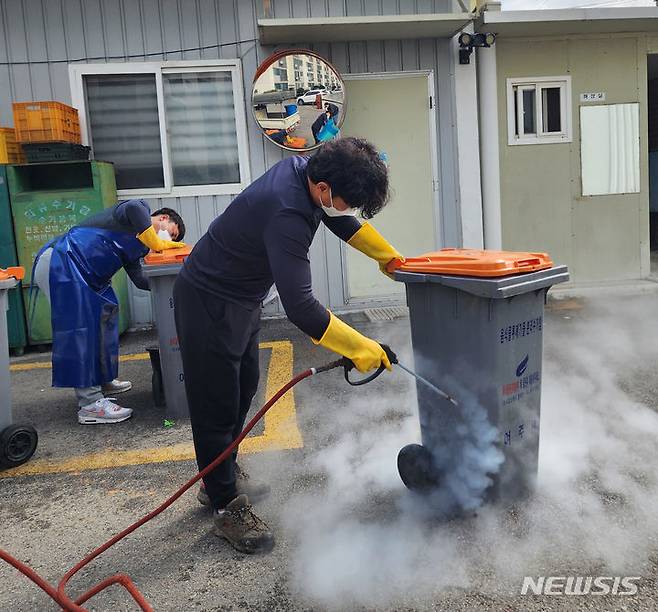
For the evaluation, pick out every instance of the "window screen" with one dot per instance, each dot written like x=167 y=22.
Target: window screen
x=529 y=111
x=124 y=127
x=201 y=127
x=552 y=121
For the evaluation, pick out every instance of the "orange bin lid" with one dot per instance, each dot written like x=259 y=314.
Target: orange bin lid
x=470 y=262
x=16 y=272
x=170 y=256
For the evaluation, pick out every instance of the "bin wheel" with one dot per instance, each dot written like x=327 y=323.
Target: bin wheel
x=17 y=445
x=417 y=469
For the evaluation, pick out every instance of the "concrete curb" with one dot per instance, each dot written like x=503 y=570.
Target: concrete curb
x=609 y=289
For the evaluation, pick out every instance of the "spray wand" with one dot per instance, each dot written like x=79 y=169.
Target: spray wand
x=348 y=365
x=429 y=385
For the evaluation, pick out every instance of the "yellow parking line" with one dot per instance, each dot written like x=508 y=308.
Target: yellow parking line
x=46 y=365
x=37 y=365
x=134 y=357
x=110 y=458
x=281 y=431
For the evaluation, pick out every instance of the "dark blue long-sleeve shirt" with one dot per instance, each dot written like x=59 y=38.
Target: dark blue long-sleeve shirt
x=131 y=216
x=263 y=237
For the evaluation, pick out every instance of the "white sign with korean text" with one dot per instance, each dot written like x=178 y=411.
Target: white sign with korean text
x=596 y=96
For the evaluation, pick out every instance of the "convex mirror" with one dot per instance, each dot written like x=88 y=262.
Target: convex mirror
x=298 y=99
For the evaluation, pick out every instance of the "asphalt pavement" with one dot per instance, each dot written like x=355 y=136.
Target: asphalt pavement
x=349 y=535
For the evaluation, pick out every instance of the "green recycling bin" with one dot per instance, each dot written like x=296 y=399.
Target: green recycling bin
x=46 y=201
x=16 y=330
x=477 y=322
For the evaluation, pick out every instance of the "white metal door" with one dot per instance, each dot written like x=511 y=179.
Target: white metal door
x=393 y=112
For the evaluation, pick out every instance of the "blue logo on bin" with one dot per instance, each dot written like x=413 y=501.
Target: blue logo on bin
x=521 y=368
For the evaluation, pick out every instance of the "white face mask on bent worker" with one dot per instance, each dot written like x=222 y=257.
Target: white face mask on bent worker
x=332 y=211
x=163 y=232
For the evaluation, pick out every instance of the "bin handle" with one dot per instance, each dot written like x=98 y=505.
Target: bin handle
x=524 y=263
x=168 y=256
x=398 y=262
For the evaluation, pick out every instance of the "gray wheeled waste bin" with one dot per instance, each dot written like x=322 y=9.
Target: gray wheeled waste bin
x=477 y=321
x=17 y=442
x=162 y=270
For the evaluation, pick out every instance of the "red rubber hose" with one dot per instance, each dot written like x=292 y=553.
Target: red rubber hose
x=59 y=593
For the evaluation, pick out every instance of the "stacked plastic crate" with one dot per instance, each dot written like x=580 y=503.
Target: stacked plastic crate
x=10 y=151
x=48 y=132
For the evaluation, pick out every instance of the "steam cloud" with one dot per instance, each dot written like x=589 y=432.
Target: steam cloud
x=362 y=539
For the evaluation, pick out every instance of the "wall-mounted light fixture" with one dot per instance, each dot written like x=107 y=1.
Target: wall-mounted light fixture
x=468 y=41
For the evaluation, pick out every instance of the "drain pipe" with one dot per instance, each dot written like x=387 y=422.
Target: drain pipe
x=489 y=138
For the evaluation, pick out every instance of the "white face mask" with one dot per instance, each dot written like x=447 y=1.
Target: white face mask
x=332 y=211
x=164 y=234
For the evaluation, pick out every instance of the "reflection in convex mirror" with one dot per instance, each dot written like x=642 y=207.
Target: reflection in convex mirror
x=298 y=99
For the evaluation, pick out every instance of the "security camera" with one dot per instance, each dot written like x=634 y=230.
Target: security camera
x=467 y=42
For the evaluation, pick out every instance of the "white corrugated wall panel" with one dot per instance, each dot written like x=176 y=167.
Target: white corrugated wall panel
x=40 y=38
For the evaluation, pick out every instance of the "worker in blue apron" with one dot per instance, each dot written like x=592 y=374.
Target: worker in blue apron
x=75 y=271
x=333 y=111
x=318 y=124
x=262 y=238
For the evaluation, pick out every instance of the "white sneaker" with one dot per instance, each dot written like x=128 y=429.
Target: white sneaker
x=117 y=386
x=103 y=411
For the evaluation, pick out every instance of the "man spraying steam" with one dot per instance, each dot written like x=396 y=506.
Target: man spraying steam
x=264 y=237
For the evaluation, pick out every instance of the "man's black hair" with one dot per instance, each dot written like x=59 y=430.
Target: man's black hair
x=354 y=170
x=176 y=218
x=332 y=109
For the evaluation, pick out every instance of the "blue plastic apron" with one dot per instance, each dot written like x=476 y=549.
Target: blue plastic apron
x=85 y=309
x=329 y=130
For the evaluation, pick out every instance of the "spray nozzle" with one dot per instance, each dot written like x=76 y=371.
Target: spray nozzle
x=348 y=366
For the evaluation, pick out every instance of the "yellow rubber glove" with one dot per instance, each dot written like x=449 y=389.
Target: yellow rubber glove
x=155 y=243
x=366 y=354
x=371 y=243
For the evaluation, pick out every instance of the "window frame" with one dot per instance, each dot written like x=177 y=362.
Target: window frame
x=515 y=111
x=77 y=72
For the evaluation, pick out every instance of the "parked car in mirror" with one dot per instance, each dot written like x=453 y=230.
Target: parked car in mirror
x=309 y=96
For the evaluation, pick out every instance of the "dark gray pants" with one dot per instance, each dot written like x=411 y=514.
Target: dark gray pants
x=219 y=348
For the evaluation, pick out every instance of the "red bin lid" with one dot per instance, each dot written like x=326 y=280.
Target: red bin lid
x=471 y=262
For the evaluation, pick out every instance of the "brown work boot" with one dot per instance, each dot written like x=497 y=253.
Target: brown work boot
x=238 y=524
x=253 y=490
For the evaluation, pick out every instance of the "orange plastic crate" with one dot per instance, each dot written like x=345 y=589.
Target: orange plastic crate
x=46 y=122
x=10 y=151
